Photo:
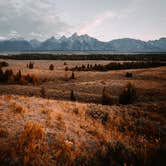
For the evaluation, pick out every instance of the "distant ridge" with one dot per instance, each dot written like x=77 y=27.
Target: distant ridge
x=83 y=43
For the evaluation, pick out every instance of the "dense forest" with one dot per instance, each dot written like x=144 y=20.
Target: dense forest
x=116 y=56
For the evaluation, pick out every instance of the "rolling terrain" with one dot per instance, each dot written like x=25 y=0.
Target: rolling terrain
x=44 y=127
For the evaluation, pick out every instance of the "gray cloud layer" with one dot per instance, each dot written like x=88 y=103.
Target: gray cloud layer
x=103 y=19
x=30 y=19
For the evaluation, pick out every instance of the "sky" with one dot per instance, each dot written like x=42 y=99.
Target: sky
x=101 y=19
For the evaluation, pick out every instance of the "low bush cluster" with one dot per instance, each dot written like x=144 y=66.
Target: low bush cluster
x=30 y=65
x=43 y=92
x=127 y=96
x=98 y=115
x=51 y=67
x=72 y=96
x=128 y=74
x=3 y=64
x=3 y=132
x=32 y=146
x=8 y=76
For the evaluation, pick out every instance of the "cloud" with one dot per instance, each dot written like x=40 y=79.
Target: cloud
x=35 y=35
x=13 y=34
x=96 y=22
x=2 y=38
x=30 y=18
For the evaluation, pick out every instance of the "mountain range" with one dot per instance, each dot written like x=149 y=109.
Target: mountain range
x=83 y=43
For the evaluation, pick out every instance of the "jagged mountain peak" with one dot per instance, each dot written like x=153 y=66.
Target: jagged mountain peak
x=74 y=34
x=84 y=42
x=17 y=39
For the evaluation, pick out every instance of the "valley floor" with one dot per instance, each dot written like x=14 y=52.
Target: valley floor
x=54 y=131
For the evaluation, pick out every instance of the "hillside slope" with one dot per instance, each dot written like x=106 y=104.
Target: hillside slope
x=40 y=131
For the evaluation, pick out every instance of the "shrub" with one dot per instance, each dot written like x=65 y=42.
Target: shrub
x=31 y=65
x=3 y=64
x=22 y=81
x=1 y=75
x=7 y=75
x=17 y=108
x=66 y=77
x=17 y=76
x=28 y=78
x=32 y=148
x=3 y=132
x=72 y=75
x=65 y=64
x=66 y=68
x=129 y=75
x=98 y=115
x=108 y=98
x=34 y=80
x=116 y=152
x=105 y=98
x=43 y=92
x=51 y=67
x=128 y=95
x=72 y=97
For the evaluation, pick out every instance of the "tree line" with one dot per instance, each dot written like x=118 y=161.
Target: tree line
x=117 y=66
x=96 y=56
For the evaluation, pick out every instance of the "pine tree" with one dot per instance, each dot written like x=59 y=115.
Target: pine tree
x=72 y=97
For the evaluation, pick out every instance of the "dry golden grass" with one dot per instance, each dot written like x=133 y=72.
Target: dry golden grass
x=66 y=133
x=17 y=108
x=3 y=132
x=89 y=85
x=31 y=147
x=54 y=132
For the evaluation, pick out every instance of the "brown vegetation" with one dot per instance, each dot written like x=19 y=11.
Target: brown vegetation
x=118 y=66
x=30 y=65
x=9 y=77
x=128 y=95
x=95 y=135
x=51 y=67
x=128 y=128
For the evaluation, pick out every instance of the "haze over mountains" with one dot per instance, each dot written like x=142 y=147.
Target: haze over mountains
x=83 y=43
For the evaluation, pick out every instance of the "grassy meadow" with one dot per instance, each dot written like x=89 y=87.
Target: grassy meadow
x=51 y=114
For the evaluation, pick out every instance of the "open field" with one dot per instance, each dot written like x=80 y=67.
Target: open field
x=46 y=128
x=87 y=86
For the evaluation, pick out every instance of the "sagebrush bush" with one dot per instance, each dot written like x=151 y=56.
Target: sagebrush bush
x=9 y=77
x=1 y=75
x=34 y=80
x=43 y=92
x=108 y=98
x=98 y=115
x=66 y=68
x=22 y=81
x=129 y=75
x=72 y=76
x=51 y=67
x=72 y=96
x=16 y=108
x=31 y=146
x=128 y=95
x=17 y=77
x=3 y=64
x=3 y=132
x=31 y=79
x=31 y=65
x=64 y=63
